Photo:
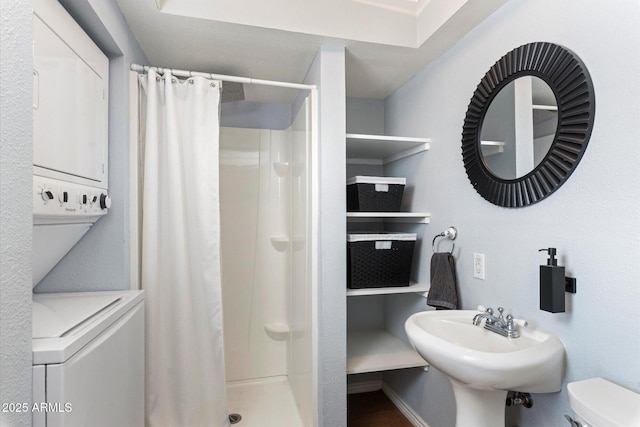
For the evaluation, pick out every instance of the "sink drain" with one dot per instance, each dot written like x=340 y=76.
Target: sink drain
x=235 y=418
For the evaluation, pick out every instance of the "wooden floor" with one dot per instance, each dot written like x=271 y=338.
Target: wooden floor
x=374 y=409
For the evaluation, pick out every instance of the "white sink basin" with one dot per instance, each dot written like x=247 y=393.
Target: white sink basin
x=483 y=365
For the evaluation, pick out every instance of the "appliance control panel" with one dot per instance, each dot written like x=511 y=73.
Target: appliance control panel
x=56 y=201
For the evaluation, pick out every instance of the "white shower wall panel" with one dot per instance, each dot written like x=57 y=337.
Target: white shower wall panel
x=255 y=271
x=300 y=351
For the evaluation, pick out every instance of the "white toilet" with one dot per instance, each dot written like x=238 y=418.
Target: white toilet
x=598 y=403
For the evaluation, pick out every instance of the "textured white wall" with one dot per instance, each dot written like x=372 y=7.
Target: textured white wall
x=100 y=260
x=327 y=71
x=593 y=219
x=16 y=67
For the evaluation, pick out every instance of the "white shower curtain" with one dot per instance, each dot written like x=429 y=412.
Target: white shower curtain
x=185 y=381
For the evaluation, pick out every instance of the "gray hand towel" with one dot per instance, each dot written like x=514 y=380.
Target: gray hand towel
x=442 y=293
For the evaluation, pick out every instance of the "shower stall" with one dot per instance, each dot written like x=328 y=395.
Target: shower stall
x=267 y=194
x=265 y=202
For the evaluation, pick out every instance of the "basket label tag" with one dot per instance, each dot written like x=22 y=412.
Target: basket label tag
x=382 y=188
x=383 y=245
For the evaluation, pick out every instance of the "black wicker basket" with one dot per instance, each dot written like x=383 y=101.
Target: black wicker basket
x=379 y=260
x=374 y=194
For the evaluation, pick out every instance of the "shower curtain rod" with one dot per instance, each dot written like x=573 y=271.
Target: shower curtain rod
x=182 y=73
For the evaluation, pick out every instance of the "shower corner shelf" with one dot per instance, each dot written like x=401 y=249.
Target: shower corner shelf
x=374 y=350
x=277 y=331
x=413 y=288
x=281 y=168
x=381 y=149
x=280 y=243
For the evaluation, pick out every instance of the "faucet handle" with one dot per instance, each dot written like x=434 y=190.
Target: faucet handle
x=521 y=322
x=510 y=324
x=511 y=329
x=500 y=309
x=484 y=309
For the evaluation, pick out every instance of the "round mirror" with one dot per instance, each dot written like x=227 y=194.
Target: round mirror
x=528 y=124
x=519 y=127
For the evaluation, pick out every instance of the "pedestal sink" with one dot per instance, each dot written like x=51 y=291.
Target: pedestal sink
x=482 y=365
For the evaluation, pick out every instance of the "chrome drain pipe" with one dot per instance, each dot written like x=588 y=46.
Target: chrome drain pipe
x=519 y=398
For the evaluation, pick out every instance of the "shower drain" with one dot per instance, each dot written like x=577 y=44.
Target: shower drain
x=235 y=418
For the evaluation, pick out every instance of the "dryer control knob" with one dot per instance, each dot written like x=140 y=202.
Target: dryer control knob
x=63 y=196
x=47 y=195
x=105 y=201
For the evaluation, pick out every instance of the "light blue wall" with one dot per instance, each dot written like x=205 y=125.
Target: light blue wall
x=365 y=116
x=327 y=72
x=16 y=66
x=255 y=115
x=593 y=219
x=101 y=260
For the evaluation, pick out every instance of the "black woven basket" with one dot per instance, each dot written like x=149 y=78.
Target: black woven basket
x=369 y=267
x=365 y=198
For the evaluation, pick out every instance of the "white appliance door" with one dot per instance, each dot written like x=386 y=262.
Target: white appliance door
x=38 y=418
x=69 y=107
x=103 y=384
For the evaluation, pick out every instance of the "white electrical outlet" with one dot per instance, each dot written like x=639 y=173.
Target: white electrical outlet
x=478 y=266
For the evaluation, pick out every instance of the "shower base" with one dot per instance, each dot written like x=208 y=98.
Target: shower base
x=264 y=402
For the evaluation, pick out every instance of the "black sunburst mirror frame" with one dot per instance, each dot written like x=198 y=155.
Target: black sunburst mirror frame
x=571 y=84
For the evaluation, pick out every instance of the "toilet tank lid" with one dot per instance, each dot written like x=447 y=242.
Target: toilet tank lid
x=602 y=403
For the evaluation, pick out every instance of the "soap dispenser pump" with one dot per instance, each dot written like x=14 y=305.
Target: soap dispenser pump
x=552 y=284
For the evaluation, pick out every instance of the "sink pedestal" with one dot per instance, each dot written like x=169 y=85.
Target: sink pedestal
x=478 y=408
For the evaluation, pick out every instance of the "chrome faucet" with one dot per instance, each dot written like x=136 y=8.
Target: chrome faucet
x=504 y=326
x=487 y=315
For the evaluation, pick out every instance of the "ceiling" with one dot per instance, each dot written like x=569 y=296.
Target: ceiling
x=387 y=41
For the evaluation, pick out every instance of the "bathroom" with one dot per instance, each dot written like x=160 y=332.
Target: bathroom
x=599 y=328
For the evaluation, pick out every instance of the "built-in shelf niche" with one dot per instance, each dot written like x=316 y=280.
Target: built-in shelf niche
x=374 y=350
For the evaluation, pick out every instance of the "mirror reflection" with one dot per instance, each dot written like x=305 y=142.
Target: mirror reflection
x=519 y=127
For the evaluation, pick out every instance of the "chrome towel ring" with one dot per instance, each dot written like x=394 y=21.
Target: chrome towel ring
x=450 y=233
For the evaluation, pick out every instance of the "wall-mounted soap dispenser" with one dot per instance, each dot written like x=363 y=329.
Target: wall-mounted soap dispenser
x=553 y=284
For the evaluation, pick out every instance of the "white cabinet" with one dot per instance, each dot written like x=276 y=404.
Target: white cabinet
x=374 y=348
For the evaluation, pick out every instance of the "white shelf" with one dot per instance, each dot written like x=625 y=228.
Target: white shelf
x=494 y=143
x=545 y=107
x=414 y=288
x=373 y=350
x=413 y=217
x=380 y=149
x=492 y=147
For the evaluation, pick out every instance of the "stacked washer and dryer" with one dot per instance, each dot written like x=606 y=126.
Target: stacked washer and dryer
x=88 y=347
